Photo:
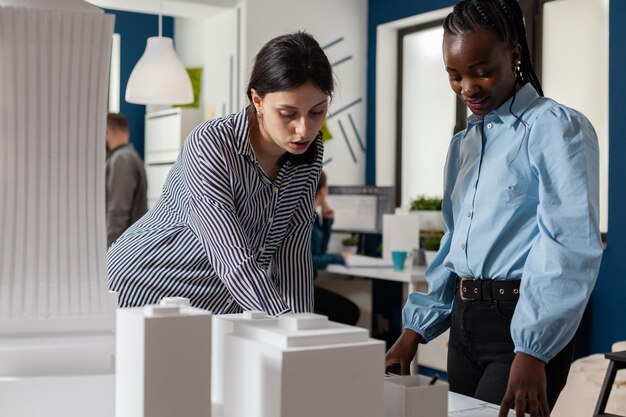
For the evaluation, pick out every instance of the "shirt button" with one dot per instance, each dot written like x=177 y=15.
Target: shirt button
x=463 y=246
x=489 y=125
x=262 y=248
x=275 y=190
x=270 y=219
x=469 y=214
x=229 y=301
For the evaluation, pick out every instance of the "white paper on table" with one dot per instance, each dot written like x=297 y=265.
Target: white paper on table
x=463 y=406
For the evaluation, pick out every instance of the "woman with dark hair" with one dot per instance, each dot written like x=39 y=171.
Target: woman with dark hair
x=522 y=248
x=232 y=228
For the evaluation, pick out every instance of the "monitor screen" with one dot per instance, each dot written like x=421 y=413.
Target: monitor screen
x=360 y=209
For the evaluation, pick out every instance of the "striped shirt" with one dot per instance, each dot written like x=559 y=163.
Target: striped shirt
x=223 y=234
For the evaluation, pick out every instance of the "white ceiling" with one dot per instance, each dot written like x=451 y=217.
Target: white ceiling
x=177 y=8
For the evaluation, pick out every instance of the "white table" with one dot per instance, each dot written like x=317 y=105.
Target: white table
x=458 y=406
x=413 y=279
x=462 y=406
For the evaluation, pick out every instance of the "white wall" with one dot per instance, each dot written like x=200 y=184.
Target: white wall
x=327 y=20
x=215 y=38
x=575 y=69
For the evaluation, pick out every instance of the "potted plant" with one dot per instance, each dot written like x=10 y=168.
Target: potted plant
x=350 y=244
x=430 y=244
x=428 y=209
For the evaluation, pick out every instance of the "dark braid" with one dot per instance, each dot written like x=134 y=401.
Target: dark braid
x=505 y=19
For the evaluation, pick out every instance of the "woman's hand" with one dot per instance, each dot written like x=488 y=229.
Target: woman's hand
x=402 y=352
x=527 y=386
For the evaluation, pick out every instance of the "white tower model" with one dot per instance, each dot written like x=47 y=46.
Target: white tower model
x=302 y=365
x=163 y=361
x=223 y=325
x=56 y=314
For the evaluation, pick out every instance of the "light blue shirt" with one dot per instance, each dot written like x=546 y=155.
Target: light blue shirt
x=520 y=202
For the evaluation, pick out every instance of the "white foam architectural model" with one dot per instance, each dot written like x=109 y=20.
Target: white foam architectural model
x=163 y=361
x=302 y=365
x=222 y=326
x=57 y=318
x=414 y=396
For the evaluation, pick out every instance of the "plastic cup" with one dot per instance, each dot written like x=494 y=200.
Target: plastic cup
x=399 y=258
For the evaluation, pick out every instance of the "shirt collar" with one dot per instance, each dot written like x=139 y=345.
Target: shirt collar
x=506 y=113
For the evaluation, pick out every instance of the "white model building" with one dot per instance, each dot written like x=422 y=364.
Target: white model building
x=163 y=361
x=302 y=365
x=223 y=325
x=415 y=396
x=57 y=318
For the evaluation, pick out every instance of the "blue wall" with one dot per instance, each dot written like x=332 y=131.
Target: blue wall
x=609 y=297
x=134 y=30
x=606 y=316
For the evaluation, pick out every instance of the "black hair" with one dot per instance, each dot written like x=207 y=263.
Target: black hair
x=117 y=122
x=289 y=61
x=505 y=19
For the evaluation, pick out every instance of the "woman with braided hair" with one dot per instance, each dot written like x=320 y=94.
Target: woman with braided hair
x=522 y=247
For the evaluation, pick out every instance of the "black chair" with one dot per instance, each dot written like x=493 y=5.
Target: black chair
x=617 y=362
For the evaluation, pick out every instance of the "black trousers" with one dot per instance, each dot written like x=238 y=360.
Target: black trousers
x=480 y=352
x=338 y=308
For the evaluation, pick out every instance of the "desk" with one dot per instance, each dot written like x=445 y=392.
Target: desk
x=458 y=406
x=434 y=354
x=413 y=279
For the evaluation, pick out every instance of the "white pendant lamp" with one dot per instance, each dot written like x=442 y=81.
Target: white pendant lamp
x=159 y=77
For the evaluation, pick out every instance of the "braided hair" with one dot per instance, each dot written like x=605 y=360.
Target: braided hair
x=505 y=19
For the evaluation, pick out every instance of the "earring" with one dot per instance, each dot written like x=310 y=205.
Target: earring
x=259 y=114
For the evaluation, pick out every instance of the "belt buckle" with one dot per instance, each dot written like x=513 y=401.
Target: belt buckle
x=461 y=294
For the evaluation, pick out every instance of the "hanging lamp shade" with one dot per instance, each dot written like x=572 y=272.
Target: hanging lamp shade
x=159 y=77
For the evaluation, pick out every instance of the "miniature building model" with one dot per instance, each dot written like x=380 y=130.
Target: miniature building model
x=222 y=326
x=163 y=362
x=302 y=365
x=57 y=317
x=415 y=396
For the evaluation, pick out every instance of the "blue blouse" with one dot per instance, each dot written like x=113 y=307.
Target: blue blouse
x=520 y=202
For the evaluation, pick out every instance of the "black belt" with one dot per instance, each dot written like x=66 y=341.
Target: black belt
x=488 y=289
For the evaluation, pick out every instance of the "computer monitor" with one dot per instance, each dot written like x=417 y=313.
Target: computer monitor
x=360 y=209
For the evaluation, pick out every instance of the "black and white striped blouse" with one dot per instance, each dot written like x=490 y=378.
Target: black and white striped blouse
x=223 y=234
